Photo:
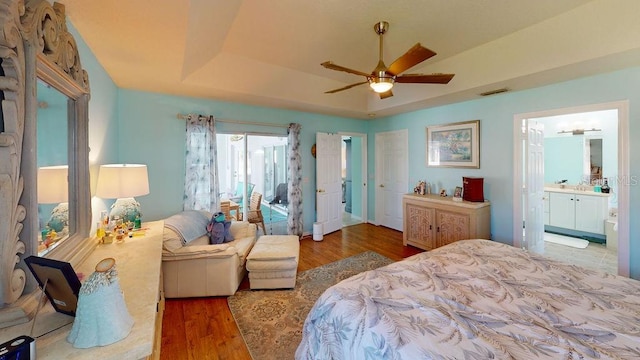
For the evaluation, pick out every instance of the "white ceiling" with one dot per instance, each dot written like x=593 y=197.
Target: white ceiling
x=269 y=52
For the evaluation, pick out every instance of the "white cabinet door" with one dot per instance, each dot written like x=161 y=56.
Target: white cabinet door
x=591 y=213
x=562 y=210
x=546 y=208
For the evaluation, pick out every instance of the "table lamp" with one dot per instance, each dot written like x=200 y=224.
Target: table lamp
x=123 y=182
x=53 y=188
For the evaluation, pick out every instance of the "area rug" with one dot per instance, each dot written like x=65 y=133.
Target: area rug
x=565 y=240
x=271 y=320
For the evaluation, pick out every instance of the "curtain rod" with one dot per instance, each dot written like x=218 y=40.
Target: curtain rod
x=184 y=117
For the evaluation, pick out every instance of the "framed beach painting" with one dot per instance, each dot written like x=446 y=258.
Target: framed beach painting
x=454 y=145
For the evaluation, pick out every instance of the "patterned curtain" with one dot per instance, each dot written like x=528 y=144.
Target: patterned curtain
x=294 y=178
x=201 y=158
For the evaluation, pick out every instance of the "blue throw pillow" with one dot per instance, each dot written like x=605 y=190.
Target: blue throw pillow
x=227 y=234
x=216 y=235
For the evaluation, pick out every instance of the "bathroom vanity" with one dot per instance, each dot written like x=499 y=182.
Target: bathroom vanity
x=575 y=212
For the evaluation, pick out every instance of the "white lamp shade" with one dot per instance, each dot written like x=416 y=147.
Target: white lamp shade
x=53 y=184
x=122 y=181
x=381 y=84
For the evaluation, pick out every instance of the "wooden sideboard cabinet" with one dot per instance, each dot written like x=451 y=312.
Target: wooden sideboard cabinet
x=431 y=221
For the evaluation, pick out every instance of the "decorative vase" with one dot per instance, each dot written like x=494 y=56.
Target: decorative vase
x=102 y=317
x=59 y=217
x=127 y=209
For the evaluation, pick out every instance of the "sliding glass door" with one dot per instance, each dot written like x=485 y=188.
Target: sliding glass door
x=262 y=170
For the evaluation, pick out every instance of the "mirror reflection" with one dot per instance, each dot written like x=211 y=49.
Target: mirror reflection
x=52 y=162
x=581 y=147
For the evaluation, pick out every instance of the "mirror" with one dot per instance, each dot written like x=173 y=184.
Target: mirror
x=594 y=165
x=74 y=248
x=580 y=147
x=35 y=44
x=52 y=162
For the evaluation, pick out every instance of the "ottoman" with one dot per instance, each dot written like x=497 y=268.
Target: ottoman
x=273 y=262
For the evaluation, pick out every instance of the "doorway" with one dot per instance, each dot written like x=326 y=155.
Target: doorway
x=392 y=176
x=336 y=160
x=352 y=180
x=621 y=171
x=255 y=163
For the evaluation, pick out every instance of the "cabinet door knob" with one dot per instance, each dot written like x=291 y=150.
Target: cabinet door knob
x=381 y=185
x=430 y=227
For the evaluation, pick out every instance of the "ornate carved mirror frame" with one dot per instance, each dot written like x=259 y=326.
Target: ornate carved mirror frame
x=35 y=43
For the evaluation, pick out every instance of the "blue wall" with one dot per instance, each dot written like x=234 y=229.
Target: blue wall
x=567 y=164
x=52 y=127
x=356 y=176
x=496 y=140
x=151 y=134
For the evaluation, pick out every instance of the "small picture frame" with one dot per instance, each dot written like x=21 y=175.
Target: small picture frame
x=443 y=193
x=62 y=283
x=457 y=194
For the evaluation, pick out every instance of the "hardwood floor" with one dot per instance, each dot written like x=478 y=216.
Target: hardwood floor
x=203 y=328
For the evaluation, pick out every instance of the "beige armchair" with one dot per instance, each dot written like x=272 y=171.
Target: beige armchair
x=199 y=269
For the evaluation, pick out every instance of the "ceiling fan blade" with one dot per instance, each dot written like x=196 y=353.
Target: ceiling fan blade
x=411 y=58
x=332 y=66
x=385 y=95
x=345 y=88
x=425 y=79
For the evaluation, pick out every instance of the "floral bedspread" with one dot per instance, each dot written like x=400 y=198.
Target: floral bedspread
x=476 y=299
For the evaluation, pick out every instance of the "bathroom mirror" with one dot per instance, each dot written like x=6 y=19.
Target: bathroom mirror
x=35 y=44
x=587 y=155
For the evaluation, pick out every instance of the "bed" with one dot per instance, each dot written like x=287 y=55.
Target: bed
x=476 y=299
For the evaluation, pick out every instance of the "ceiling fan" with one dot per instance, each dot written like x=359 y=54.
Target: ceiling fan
x=383 y=78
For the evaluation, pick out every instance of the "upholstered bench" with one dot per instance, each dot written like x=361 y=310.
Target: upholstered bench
x=273 y=262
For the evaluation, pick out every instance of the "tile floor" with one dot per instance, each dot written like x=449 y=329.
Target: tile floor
x=595 y=256
x=348 y=219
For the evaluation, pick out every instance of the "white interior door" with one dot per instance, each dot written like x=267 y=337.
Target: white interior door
x=534 y=187
x=329 y=181
x=392 y=176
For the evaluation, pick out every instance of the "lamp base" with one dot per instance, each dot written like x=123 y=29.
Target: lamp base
x=128 y=209
x=59 y=217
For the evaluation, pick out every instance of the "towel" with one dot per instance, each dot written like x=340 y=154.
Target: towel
x=190 y=224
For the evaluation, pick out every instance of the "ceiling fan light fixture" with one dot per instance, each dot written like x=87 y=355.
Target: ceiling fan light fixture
x=381 y=84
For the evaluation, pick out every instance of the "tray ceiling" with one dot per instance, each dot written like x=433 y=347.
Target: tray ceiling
x=268 y=53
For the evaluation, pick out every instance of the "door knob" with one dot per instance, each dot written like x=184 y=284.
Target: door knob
x=381 y=185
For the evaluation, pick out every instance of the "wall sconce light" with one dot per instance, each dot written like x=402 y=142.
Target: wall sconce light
x=577 y=131
x=123 y=182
